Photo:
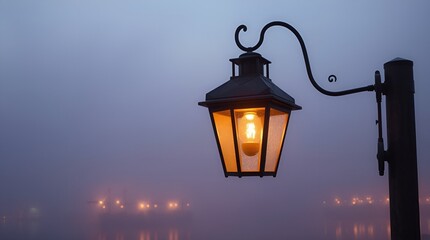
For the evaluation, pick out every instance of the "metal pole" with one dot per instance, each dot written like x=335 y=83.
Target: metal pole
x=402 y=154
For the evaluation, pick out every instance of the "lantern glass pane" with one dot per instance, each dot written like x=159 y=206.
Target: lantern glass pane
x=277 y=125
x=224 y=131
x=249 y=130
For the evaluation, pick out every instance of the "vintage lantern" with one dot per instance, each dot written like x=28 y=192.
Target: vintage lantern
x=250 y=116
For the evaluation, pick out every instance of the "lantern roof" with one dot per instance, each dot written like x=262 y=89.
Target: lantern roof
x=249 y=85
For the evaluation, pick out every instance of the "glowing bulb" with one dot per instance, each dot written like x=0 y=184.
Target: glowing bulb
x=250 y=116
x=250 y=133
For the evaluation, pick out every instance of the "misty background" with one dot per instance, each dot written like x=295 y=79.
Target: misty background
x=102 y=95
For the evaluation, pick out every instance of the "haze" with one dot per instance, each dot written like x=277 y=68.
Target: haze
x=99 y=96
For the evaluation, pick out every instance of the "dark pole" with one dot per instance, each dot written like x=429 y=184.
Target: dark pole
x=402 y=154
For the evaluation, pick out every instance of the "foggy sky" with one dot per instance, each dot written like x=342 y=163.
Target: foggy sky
x=98 y=95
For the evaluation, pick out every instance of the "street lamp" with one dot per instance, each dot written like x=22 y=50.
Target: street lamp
x=250 y=116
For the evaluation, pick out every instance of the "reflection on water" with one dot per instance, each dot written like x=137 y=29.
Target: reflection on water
x=369 y=229
x=428 y=226
x=328 y=228
x=145 y=235
x=358 y=230
x=173 y=234
x=169 y=233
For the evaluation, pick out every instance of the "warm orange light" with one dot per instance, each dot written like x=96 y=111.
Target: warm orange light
x=144 y=205
x=173 y=205
x=101 y=202
x=250 y=129
x=122 y=206
x=250 y=146
x=118 y=202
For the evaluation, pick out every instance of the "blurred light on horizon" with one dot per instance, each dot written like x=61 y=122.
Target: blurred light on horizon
x=89 y=91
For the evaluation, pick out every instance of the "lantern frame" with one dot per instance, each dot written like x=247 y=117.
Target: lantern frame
x=251 y=89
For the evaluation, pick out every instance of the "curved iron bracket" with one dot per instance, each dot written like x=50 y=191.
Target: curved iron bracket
x=378 y=87
x=305 y=56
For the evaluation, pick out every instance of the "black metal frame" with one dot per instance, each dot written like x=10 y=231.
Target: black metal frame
x=267 y=105
x=251 y=88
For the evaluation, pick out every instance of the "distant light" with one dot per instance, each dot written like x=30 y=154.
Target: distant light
x=173 y=205
x=34 y=210
x=188 y=204
x=118 y=202
x=101 y=202
x=142 y=205
x=155 y=206
x=122 y=206
x=103 y=206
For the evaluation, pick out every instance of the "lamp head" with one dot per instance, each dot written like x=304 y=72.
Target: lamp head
x=250 y=115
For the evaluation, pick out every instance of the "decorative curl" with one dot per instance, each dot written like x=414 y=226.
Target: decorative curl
x=331 y=78
x=236 y=37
